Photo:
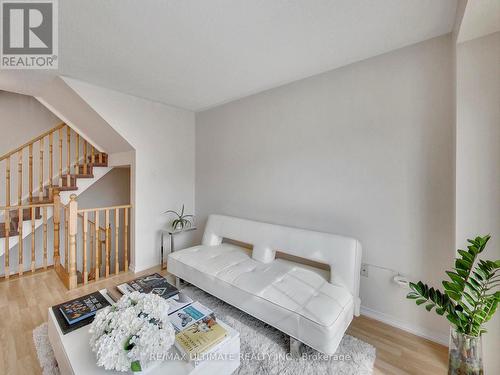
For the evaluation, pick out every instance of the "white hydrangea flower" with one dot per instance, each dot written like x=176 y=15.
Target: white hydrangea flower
x=131 y=331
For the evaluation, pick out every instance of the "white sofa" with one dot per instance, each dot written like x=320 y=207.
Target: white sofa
x=311 y=305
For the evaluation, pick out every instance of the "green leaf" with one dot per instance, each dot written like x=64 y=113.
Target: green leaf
x=463 y=264
x=420 y=301
x=469 y=299
x=451 y=286
x=128 y=345
x=429 y=306
x=454 y=295
x=466 y=255
x=136 y=366
x=440 y=310
x=455 y=277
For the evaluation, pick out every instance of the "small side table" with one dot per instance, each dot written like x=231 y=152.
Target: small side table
x=171 y=233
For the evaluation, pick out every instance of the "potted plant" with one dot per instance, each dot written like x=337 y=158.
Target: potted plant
x=469 y=300
x=182 y=221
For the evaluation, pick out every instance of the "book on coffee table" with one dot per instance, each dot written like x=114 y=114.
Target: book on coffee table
x=79 y=312
x=183 y=318
x=200 y=340
x=154 y=283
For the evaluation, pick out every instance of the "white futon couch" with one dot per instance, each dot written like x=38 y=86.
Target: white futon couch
x=312 y=306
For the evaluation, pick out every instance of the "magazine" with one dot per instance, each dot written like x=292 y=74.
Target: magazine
x=177 y=302
x=183 y=318
x=154 y=283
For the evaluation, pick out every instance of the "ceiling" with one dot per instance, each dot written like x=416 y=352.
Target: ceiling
x=481 y=17
x=196 y=54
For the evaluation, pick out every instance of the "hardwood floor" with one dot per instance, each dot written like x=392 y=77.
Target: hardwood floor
x=24 y=302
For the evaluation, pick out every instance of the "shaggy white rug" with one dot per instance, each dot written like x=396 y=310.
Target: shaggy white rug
x=263 y=348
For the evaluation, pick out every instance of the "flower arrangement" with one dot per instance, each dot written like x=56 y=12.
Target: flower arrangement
x=127 y=335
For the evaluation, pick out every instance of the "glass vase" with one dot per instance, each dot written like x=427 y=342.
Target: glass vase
x=465 y=356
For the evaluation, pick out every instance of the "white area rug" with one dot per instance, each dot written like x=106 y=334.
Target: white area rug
x=263 y=348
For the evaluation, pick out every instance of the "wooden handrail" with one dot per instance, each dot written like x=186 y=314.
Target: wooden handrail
x=32 y=141
x=24 y=206
x=104 y=208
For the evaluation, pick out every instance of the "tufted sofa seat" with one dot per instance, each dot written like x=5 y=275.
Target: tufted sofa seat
x=294 y=298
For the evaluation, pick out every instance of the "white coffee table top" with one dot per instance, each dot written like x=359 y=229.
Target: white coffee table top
x=73 y=354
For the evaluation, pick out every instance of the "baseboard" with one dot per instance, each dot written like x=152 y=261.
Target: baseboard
x=418 y=331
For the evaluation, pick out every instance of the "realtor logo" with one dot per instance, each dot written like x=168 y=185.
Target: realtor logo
x=29 y=34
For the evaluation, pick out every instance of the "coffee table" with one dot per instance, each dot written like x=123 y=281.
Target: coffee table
x=73 y=354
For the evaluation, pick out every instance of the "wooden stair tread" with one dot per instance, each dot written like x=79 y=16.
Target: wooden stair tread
x=65 y=188
x=79 y=175
x=97 y=163
x=44 y=200
x=14 y=215
x=12 y=232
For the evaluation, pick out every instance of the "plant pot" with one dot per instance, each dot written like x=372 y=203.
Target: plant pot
x=465 y=355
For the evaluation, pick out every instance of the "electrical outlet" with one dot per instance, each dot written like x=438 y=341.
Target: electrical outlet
x=364 y=270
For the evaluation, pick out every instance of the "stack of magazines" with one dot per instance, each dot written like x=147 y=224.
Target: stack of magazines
x=198 y=334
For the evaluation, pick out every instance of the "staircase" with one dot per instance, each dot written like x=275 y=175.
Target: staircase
x=72 y=166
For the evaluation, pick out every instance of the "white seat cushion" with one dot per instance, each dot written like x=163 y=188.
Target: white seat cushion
x=300 y=297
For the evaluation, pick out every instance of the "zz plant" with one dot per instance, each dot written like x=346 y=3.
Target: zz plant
x=469 y=299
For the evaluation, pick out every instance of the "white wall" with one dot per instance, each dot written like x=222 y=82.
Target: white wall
x=163 y=172
x=111 y=190
x=478 y=158
x=366 y=150
x=23 y=118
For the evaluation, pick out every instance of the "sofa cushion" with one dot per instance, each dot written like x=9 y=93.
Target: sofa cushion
x=296 y=288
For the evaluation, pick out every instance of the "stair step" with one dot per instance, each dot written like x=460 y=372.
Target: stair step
x=12 y=232
x=14 y=215
x=65 y=188
x=72 y=180
x=79 y=175
x=89 y=170
x=44 y=200
x=97 y=164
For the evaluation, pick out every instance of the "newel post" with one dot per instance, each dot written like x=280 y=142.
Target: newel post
x=72 y=228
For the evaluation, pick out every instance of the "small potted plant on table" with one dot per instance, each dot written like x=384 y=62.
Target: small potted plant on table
x=469 y=300
x=182 y=221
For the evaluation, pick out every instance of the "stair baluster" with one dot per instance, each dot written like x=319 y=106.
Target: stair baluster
x=68 y=151
x=51 y=165
x=45 y=238
x=20 y=243
x=97 y=245
x=20 y=177
x=30 y=172
x=73 y=223
x=7 y=248
x=60 y=156
x=40 y=171
x=125 y=239
x=85 y=157
x=85 y=234
x=117 y=231
x=108 y=247
x=32 y=212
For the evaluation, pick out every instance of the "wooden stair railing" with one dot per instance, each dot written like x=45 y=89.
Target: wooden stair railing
x=88 y=248
x=31 y=168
